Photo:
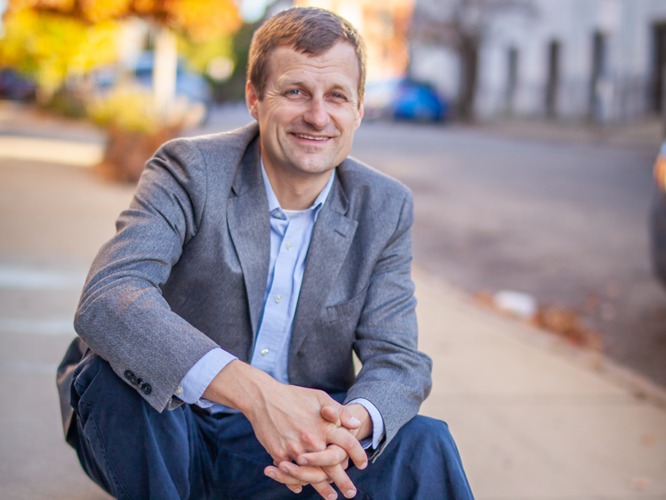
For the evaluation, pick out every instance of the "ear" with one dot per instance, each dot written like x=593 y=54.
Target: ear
x=359 y=116
x=251 y=99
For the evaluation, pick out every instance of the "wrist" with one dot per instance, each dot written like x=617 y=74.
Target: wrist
x=239 y=386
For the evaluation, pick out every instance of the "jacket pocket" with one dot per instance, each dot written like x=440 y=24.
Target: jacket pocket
x=346 y=309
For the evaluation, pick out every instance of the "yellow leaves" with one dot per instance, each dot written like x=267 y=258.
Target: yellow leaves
x=133 y=109
x=203 y=19
x=95 y=11
x=143 y=7
x=53 y=47
x=126 y=108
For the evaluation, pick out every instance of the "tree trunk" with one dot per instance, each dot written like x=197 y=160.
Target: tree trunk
x=164 y=71
x=468 y=51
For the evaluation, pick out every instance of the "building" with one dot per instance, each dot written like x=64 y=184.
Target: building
x=601 y=60
x=384 y=27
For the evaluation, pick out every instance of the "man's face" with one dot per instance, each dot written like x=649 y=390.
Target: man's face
x=309 y=111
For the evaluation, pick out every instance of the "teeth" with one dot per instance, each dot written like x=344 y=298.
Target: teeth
x=311 y=138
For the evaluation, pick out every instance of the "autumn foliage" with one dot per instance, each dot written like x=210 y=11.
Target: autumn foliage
x=200 y=19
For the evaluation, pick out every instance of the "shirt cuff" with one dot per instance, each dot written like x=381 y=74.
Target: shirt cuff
x=377 y=423
x=200 y=376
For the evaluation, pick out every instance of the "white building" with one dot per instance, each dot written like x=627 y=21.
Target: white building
x=603 y=60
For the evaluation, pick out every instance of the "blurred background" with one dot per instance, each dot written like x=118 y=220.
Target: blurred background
x=530 y=133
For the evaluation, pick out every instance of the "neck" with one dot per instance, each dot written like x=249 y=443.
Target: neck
x=296 y=192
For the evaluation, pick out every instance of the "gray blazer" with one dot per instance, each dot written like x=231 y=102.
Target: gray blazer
x=187 y=270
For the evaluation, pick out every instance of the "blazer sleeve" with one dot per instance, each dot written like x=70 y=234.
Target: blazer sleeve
x=395 y=376
x=122 y=314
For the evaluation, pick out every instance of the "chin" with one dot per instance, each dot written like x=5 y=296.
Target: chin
x=318 y=166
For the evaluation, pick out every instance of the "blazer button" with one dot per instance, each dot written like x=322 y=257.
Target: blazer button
x=146 y=389
x=129 y=375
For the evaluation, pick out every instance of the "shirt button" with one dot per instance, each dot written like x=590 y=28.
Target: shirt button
x=289 y=245
x=278 y=298
x=264 y=352
x=179 y=391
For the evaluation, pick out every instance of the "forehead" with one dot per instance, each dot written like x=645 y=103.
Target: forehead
x=337 y=66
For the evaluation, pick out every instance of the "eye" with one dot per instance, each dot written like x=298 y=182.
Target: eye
x=295 y=92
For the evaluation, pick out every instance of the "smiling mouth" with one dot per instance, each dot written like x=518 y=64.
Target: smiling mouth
x=312 y=137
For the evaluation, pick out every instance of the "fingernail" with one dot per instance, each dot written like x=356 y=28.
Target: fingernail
x=302 y=461
x=332 y=496
x=285 y=470
x=355 y=421
x=363 y=465
x=271 y=475
x=350 y=494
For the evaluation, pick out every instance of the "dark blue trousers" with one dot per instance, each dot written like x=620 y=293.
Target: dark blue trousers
x=134 y=452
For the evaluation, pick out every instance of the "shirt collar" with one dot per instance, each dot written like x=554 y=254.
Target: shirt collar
x=274 y=205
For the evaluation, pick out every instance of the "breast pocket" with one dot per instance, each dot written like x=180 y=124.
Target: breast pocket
x=349 y=309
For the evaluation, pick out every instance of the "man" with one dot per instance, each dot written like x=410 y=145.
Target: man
x=248 y=268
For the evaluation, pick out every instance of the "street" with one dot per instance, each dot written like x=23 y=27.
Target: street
x=566 y=223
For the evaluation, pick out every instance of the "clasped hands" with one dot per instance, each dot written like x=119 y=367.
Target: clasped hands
x=297 y=424
x=320 y=468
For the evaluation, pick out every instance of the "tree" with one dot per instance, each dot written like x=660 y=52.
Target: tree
x=51 y=49
x=200 y=20
x=463 y=25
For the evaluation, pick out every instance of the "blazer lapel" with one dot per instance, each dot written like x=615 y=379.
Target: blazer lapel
x=331 y=238
x=249 y=226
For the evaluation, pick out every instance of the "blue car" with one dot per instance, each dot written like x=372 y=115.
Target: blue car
x=404 y=99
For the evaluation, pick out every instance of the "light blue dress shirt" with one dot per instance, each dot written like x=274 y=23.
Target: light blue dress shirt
x=291 y=232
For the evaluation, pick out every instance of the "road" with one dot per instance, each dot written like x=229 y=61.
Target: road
x=565 y=222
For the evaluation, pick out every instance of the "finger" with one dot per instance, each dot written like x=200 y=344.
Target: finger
x=350 y=444
x=341 y=480
x=348 y=420
x=332 y=414
x=295 y=489
x=302 y=474
x=279 y=476
x=325 y=490
x=332 y=455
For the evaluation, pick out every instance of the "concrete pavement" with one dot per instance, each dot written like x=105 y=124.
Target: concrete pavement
x=533 y=418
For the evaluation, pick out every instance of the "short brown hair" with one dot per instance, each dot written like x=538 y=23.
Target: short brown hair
x=308 y=30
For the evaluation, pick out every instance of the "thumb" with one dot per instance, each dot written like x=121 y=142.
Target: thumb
x=348 y=420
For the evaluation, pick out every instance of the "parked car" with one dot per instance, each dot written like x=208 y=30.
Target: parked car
x=404 y=99
x=15 y=87
x=658 y=217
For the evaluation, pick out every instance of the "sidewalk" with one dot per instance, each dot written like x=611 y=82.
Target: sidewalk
x=533 y=419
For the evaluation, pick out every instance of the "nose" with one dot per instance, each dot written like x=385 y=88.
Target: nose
x=316 y=114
